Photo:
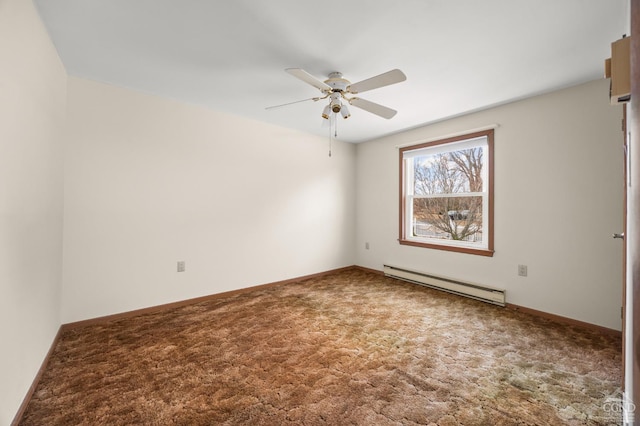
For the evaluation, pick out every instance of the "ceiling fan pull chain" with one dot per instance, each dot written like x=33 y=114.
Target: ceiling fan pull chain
x=329 y=136
x=334 y=118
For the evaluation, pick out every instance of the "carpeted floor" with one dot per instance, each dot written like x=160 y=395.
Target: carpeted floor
x=350 y=348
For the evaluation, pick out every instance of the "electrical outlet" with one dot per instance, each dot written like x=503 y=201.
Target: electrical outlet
x=522 y=270
x=366 y=246
x=181 y=266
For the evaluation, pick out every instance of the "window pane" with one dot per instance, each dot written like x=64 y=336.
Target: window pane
x=448 y=218
x=449 y=172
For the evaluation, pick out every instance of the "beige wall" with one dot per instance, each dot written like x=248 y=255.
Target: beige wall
x=32 y=109
x=558 y=199
x=150 y=181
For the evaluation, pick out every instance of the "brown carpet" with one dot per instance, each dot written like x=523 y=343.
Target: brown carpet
x=348 y=348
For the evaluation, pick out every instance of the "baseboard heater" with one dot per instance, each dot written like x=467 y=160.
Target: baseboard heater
x=462 y=288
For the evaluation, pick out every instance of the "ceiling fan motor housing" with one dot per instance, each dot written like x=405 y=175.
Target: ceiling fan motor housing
x=337 y=83
x=339 y=86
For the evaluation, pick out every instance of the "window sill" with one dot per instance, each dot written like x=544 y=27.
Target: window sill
x=467 y=250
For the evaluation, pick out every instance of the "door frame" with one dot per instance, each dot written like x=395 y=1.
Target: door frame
x=632 y=231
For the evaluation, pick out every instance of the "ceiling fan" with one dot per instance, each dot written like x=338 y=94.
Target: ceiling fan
x=339 y=90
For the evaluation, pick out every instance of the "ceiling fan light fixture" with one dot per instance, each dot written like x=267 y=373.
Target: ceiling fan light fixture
x=344 y=111
x=335 y=102
x=326 y=112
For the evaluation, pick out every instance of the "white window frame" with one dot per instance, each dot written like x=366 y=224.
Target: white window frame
x=482 y=139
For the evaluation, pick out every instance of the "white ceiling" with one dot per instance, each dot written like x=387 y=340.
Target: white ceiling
x=459 y=56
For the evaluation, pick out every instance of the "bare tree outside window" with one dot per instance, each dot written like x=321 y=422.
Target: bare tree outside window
x=456 y=218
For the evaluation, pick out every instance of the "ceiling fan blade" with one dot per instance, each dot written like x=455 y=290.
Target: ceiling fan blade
x=309 y=79
x=389 y=77
x=291 y=103
x=373 y=108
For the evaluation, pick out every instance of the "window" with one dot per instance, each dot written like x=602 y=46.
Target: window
x=446 y=194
